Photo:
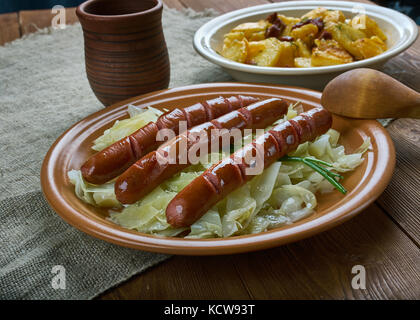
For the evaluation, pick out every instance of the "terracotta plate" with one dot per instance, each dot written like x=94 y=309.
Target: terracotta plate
x=365 y=184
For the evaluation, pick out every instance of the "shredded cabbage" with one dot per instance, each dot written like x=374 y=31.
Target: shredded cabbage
x=101 y=196
x=148 y=214
x=139 y=117
x=283 y=194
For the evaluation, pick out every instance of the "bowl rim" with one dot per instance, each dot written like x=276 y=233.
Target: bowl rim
x=97 y=227
x=202 y=37
x=83 y=14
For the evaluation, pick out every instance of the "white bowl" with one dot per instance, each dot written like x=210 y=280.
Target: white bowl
x=400 y=30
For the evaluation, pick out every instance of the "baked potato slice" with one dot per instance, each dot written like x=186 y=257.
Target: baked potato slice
x=369 y=26
x=306 y=33
x=302 y=49
x=235 y=47
x=332 y=17
x=254 y=48
x=257 y=36
x=253 y=30
x=370 y=47
x=276 y=53
x=270 y=55
x=328 y=52
x=303 y=62
x=287 y=54
x=315 y=13
x=345 y=35
x=289 y=22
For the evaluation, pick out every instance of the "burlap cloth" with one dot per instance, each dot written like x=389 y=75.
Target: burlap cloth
x=43 y=91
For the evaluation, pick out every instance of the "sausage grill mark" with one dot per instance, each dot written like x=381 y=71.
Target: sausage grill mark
x=148 y=172
x=222 y=178
x=118 y=157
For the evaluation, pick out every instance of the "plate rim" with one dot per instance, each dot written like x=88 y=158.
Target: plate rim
x=214 y=246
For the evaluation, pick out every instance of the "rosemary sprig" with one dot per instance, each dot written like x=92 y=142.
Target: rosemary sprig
x=315 y=164
x=317 y=161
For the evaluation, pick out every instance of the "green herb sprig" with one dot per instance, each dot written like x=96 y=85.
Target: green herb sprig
x=315 y=164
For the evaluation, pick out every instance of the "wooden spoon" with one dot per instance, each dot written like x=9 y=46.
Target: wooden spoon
x=370 y=94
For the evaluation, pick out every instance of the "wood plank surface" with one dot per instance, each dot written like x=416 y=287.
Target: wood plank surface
x=405 y=67
x=9 y=27
x=384 y=238
x=315 y=268
x=401 y=199
x=33 y=20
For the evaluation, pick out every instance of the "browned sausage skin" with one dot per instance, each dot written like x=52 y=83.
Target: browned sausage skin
x=148 y=172
x=115 y=159
x=218 y=181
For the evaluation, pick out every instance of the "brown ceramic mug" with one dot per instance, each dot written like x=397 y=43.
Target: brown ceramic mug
x=125 y=50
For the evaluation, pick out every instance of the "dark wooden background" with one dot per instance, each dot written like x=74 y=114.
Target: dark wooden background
x=384 y=238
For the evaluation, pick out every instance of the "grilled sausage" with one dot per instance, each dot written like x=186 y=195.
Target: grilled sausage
x=115 y=159
x=150 y=171
x=218 y=181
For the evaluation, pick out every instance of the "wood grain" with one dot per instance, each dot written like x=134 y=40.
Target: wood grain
x=33 y=20
x=401 y=199
x=315 y=268
x=405 y=67
x=9 y=27
x=185 y=278
x=320 y=267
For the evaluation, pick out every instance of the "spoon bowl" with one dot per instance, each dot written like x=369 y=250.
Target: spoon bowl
x=370 y=94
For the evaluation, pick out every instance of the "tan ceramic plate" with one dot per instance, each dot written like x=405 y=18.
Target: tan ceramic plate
x=365 y=184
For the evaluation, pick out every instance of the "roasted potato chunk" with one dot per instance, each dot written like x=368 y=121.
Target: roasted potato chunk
x=289 y=22
x=328 y=52
x=303 y=62
x=302 y=49
x=306 y=33
x=315 y=13
x=287 y=54
x=257 y=36
x=270 y=55
x=345 y=35
x=333 y=16
x=370 y=47
x=235 y=47
x=369 y=27
x=276 y=53
x=253 y=30
x=254 y=48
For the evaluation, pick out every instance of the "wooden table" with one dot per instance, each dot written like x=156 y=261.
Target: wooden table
x=384 y=238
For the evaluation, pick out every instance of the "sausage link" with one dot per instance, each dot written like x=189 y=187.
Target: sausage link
x=218 y=181
x=115 y=159
x=149 y=172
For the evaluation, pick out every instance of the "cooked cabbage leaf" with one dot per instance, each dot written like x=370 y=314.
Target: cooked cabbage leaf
x=101 y=196
x=139 y=117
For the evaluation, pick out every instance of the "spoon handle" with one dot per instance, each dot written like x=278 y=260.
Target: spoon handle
x=415 y=109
